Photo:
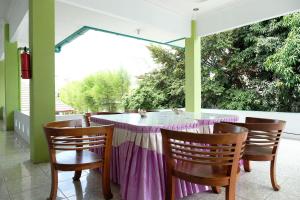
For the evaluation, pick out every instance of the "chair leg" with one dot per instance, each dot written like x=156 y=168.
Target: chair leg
x=106 y=183
x=77 y=175
x=54 y=184
x=216 y=189
x=170 y=187
x=275 y=186
x=230 y=192
x=246 y=164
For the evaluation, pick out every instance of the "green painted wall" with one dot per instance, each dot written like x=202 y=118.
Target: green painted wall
x=42 y=84
x=12 y=80
x=193 y=71
x=2 y=88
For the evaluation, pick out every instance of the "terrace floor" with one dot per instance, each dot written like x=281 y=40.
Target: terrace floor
x=22 y=180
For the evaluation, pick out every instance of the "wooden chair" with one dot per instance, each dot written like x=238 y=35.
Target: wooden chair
x=262 y=143
x=74 y=144
x=207 y=159
x=88 y=115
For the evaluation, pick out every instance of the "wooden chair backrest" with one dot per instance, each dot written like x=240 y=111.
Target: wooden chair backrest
x=88 y=115
x=263 y=132
x=70 y=136
x=222 y=149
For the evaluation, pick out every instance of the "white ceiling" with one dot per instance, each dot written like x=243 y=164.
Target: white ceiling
x=185 y=7
x=159 y=20
x=3 y=8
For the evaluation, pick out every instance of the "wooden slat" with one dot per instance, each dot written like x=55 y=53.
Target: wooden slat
x=202 y=162
x=194 y=157
x=264 y=133
x=77 y=148
x=259 y=145
x=77 y=143
x=203 y=152
x=79 y=139
x=202 y=146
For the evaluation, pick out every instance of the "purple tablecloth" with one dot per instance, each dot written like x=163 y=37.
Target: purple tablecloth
x=137 y=161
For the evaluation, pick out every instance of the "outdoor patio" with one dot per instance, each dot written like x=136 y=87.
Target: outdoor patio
x=139 y=153
x=22 y=180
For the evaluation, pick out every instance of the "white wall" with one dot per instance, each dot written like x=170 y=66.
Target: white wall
x=22 y=123
x=22 y=120
x=69 y=117
x=292 y=119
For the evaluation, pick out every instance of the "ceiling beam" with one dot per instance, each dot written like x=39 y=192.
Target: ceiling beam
x=138 y=12
x=17 y=11
x=241 y=13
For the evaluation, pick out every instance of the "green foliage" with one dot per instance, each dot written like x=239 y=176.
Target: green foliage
x=256 y=67
x=285 y=64
x=164 y=87
x=102 y=91
x=71 y=95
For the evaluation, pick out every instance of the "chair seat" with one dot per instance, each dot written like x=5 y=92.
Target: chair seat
x=202 y=174
x=73 y=158
x=258 y=153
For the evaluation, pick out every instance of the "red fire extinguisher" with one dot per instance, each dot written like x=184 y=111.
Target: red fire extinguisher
x=25 y=63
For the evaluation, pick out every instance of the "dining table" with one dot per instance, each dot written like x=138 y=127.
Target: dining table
x=137 y=162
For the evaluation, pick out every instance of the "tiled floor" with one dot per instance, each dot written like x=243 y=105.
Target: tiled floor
x=22 y=180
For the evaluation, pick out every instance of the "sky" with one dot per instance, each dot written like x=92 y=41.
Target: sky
x=97 y=51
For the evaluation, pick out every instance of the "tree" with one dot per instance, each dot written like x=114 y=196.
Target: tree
x=254 y=67
x=285 y=64
x=102 y=91
x=164 y=87
x=71 y=94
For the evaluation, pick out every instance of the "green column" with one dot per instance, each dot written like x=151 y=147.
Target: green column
x=193 y=71
x=12 y=80
x=2 y=88
x=42 y=85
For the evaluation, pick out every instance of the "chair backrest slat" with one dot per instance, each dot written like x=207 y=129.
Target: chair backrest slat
x=203 y=162
x=188 y=150
x=264 y=133
x=78 y=148
x=72 y=139
x=222 y=149
x=77 y=143
x=70 y=136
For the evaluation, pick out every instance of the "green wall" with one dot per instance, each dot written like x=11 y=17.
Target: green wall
x=42 y=84
x=12 y=80
x=193 y=71
x=2 y=88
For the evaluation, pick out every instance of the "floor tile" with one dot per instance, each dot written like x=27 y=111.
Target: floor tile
x=86 y=184
x=92 y=195
x=282 y=196
x=291 y=186
x=22 y=180
x=27 y=183
x=255 y=191
x=3 y=191
x=39 y=193
x=21 y=170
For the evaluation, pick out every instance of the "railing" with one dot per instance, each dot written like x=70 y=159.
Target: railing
x=22 y=123
x=292 y=129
